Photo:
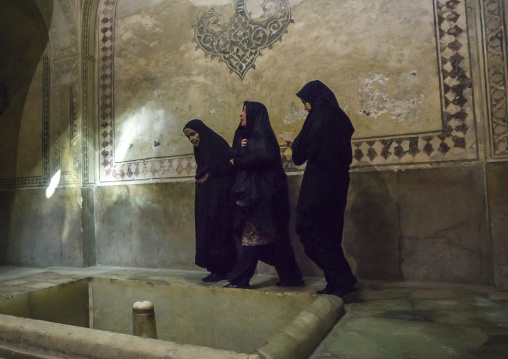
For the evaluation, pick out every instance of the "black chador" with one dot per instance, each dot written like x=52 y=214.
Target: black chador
x=325 y=143
x=215 y=246
x=261 y=203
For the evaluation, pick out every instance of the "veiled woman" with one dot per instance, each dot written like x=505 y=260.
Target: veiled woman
x=215 y=246
x=261 y=204
x=325 y=144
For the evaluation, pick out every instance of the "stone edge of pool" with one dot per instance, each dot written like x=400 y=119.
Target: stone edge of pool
x=296 y=340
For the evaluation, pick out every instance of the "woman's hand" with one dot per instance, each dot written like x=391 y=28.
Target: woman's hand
x=203 y=178
x=244 y=142
x=232 y=162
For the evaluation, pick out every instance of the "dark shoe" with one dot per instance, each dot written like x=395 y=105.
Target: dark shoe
x=340 y=292
x=299 y=283
x=345 y=287
x=214 y=277
x=231 y=285
x=327 y=290
x=345 y=291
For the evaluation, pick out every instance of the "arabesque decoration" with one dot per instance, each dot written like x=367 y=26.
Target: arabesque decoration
x=240 y=42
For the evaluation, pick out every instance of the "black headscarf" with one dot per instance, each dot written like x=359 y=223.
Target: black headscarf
x=315 y=92
x=258 y=165
x=213 y=153
x=262 y=141
x=326 y=133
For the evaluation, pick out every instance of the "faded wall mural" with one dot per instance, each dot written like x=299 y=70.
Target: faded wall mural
x=400 y=70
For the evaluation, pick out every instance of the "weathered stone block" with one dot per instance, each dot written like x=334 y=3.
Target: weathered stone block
x=371 y=233
x=497 y=197
x=443 y=225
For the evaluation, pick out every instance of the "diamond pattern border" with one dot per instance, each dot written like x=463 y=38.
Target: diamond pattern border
x=458 y=138
x=67 y=67
x=456 y=142
x=497 y=76
x=126 y=171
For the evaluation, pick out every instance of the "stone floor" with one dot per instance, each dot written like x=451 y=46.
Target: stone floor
x=383 y=320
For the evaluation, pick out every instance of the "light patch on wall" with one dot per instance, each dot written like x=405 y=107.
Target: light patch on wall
x=295 y=2
x=210 y=2
x=140 y=20
x=295 y=113
x=287 y=136
x=53 y=184
x=376 y=102
x=140 y=130
x=261 y=10
x=142 y=200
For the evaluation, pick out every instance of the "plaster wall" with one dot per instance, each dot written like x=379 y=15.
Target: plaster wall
x=423 y=83
x=163 y=78
x=43 y=231
x=394 y=230
x=401 y=71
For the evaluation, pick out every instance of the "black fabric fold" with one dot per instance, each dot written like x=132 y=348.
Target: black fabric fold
x=325 y=144
x=258 y=165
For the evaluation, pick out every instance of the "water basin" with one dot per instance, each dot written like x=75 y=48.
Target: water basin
x=92 y=318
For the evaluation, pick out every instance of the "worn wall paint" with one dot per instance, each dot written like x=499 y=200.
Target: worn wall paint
x=162 y=81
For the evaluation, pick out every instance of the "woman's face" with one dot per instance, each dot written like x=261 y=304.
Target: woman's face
x=243 y=117
x=192 y=135
x=306 y=106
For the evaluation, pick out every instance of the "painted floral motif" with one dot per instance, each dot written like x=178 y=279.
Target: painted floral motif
x=240 y=42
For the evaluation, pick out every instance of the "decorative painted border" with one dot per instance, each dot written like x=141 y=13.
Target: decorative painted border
x=70 y=16
x=87 y=55
x=240 y=49
x=127 y=171
x=39 y=180
x=497 y=77
x=68 y=66
x=85 y=128
x=458 y=138
x=457 y=141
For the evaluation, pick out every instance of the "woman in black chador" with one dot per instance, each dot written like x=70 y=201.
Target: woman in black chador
x=325 y=143
x=215 y=246
x=261 y=203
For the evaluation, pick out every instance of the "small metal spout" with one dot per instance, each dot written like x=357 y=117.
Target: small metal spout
x=143 y=319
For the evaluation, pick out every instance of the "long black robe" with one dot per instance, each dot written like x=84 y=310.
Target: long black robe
x=325 y=143
x=260 y=194
x=215 y=245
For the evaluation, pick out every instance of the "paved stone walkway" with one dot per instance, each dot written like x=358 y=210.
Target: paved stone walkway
x=421 y=321
x=383 y=320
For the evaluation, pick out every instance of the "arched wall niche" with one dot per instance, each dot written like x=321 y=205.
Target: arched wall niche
x=23 y=101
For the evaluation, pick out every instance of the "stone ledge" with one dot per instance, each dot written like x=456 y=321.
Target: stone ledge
x=65 y=341
x=299 y=338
